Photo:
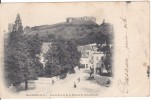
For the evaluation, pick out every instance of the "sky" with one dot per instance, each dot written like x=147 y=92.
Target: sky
x=34 y=14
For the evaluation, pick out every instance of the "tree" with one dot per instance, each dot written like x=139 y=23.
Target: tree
x=73 y=58
x=104 y=33
x=68 y=55
x=18 y=25
x=27 y=29
x=19 y=65
x=12 y=54
x=34 y=47
x=104 y=40
x=52 y=61
x=61 y=57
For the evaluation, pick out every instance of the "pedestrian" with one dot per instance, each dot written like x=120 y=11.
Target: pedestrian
x=12 y=88
x=75 y=85
x=52 y=81
x=79 y=79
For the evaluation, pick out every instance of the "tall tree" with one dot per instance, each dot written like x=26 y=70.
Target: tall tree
x=73 y=58
x=18 y=62
x=34 y=45
x=52 y=67
x=104 y=34
x=18 y=25
x=13 y=54
x=62 y=57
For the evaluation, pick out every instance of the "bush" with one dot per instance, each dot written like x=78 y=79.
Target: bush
x=62 y=76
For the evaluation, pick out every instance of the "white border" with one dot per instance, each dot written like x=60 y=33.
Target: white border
x=5 y=1
x=101 y=98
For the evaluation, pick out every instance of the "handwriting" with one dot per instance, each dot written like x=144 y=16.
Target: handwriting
x=125 y=22
x=123 y=86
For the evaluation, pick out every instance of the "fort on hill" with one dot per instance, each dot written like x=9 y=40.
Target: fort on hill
x=64 y=26
x=78 y=19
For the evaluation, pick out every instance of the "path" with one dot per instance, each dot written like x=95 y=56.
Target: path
x=66 y=86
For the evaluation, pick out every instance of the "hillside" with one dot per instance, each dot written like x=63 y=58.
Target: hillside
x=83 y=32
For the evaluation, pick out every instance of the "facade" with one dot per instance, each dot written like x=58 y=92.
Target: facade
x=86 y=55
x=90 y=57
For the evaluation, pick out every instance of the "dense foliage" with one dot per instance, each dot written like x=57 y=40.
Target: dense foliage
x=61 y=58
x=104 y=40
x=23 y=50
x=21 y=57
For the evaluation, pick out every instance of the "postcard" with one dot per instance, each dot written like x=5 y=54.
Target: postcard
x=74 y=49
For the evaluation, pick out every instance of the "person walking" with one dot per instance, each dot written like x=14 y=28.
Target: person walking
x=75 y=85
x=52 y=81
x=79 y=79
x=12 y=88
x=91 y=72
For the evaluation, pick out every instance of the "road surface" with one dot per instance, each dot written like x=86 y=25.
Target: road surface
x=64 y=86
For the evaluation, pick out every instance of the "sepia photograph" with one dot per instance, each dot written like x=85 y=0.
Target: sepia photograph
x=78 y=49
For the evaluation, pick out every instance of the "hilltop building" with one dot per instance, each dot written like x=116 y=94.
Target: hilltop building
x=86 y=18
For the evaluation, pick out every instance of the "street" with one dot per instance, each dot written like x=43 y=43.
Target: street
x=64 y=86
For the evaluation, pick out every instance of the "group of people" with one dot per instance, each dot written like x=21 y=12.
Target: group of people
x=52 y=82
x=75 y=82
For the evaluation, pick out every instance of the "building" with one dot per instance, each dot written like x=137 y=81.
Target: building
x=86 y=55
x=91 y=58
x=85 y=18
x=89 y=55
